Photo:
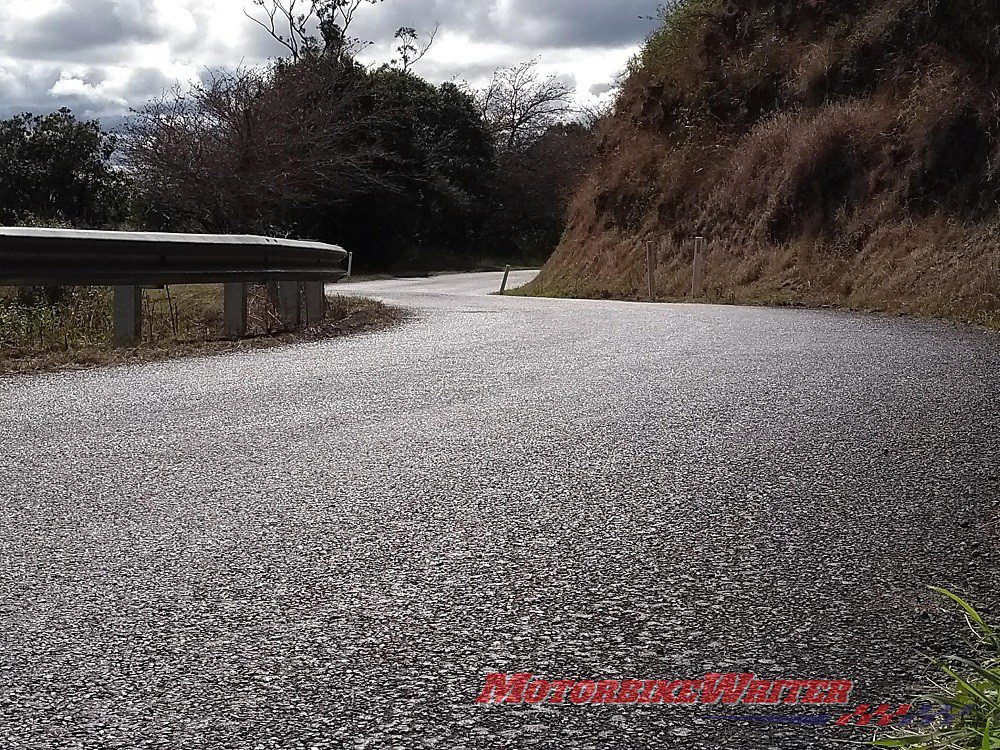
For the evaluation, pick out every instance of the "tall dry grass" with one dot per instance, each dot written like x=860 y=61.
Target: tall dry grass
x=833 y=153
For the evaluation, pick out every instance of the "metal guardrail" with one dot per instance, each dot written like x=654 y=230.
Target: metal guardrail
x=128 y=261
x=63 y=257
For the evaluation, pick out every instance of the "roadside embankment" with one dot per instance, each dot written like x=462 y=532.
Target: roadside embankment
x=830 y=153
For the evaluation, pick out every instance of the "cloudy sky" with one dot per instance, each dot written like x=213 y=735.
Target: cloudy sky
x=100 y=57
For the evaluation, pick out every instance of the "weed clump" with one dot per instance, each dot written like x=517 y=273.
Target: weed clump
x=968 y=691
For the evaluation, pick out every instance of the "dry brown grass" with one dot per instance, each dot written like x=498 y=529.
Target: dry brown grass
x=189 y=324
x=833 y=153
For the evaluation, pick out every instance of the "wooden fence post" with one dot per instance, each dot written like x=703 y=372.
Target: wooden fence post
x=651 y=271
x=698 y=267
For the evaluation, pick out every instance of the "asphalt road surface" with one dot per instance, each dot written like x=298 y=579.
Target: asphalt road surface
x=330 y=545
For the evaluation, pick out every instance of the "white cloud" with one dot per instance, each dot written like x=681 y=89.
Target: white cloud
x=76 y=88
x=101 y=57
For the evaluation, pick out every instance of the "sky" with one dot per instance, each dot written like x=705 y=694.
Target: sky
x=102 y=57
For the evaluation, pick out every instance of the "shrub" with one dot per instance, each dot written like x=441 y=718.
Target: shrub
x=680 y=20
x=55 y=167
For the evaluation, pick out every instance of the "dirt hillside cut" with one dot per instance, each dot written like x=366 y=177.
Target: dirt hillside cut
x=831 y=153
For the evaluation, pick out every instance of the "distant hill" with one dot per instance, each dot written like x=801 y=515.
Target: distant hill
x=838 y=153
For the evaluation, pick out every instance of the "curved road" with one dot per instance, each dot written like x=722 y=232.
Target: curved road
x=331 y=545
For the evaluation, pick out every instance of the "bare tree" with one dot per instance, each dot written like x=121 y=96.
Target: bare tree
x=296 y=23
x=520 y=106
x=235 y=153
x=289 y=23
x=594 y=116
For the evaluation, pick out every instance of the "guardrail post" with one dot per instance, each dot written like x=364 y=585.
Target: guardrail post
x=315 y=302
x=290 y=303
x=235 y=310
x=128 y=315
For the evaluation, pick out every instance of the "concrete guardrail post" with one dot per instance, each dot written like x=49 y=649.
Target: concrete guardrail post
x=290 y=303
x=235 y=310
x=315 y=302
x=131 y=261
x=128 y=315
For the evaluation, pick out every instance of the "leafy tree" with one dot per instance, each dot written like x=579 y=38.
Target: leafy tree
x=57 y=168
x=442 y=165
x=315 y=144
x=412 y=48
x=533 y=191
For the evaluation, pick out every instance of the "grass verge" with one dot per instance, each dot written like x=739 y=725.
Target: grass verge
x=778 y=298
x=74 y=332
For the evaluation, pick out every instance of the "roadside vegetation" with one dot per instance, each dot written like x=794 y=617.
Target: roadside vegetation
x=830 y=153
x=968 y=690
x=411 y=176
x=318 y=145
x=73 y=330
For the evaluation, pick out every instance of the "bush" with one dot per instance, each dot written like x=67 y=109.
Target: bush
x=680 y=20
x=55 y=167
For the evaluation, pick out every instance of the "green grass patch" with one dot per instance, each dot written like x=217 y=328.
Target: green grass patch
x=969 y=687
